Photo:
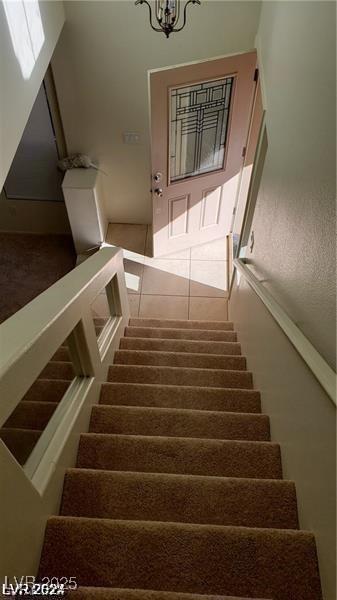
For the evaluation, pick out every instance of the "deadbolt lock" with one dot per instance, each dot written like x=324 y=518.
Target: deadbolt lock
x=157 y=177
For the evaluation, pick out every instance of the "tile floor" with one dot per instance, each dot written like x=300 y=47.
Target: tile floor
x=191 y=284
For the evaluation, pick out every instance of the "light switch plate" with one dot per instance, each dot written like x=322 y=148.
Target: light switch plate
x=131 y=137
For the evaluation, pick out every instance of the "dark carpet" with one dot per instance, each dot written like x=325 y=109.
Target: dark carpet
x=29 y=264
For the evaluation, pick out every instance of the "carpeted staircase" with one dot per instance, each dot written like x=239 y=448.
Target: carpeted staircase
x=27 y=422
x=178 y=488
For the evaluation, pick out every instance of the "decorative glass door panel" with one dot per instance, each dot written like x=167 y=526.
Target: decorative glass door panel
x=199 y=120
x=199 y=124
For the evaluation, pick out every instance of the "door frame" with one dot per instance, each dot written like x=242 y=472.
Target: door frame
x=55 y=113
x=245 y=186
x=250 y=149
x=258 y=165
x=49 y=86
x=254 y=189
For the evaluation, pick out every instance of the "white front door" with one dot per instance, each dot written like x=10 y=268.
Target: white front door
x=199 y=123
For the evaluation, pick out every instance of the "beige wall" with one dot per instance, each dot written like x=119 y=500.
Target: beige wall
x=294 y=256
x=302 y=419
x=17 y=93
x=100 y=68
x=32 y=216
x=294 y=222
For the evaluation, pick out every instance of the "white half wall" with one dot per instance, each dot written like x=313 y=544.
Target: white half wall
x=22 y=67
x=100 y=67
x=302 y=420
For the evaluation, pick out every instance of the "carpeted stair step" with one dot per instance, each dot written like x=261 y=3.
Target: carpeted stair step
x=179 y=359
x=182 y=334
x=166 y=422
x=47 y=390
x=96 y=593
x=56 y=369
x=193 y=456
x=202 y=347
x=31 y=415
x=178 y=491
x=90 y=593
x=100 y=321
x=62 y=354
x=180 y=376
x=181 y=324
x=198 y=559
x=187 y=397
x=180 y=498
x=20 y=442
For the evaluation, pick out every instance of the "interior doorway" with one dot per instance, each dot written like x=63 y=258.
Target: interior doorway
x=200 y=116
x=34 y=174
x=245 y=203
x=247 y=168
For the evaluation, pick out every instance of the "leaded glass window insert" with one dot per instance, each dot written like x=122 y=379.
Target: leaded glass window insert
x=198 y=127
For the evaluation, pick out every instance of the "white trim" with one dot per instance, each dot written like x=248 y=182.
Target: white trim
x=318 y=365
x=30 y=338
x=200 y=60
x=261 y=71
x=69 y=406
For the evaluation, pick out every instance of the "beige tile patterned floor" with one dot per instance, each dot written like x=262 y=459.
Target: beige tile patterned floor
x=191 y=284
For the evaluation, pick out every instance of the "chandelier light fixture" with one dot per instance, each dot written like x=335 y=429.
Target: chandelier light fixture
x=167 y=15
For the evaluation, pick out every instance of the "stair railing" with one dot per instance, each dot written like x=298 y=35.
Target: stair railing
x=318 y=365
x=30 y=338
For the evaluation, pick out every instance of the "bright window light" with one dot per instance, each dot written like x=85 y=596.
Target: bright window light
x=26 y=31
x=34 y=24
x=132 y=282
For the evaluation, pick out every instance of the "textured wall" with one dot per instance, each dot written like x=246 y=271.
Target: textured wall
x=294 y=222
x=302 y=420
x=100 y=68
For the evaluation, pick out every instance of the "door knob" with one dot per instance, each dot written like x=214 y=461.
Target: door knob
x=158 y=192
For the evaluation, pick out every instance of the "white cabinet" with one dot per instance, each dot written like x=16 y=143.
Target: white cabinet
x=85 y=207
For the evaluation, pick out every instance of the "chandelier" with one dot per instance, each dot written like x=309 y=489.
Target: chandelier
x=167 y=14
